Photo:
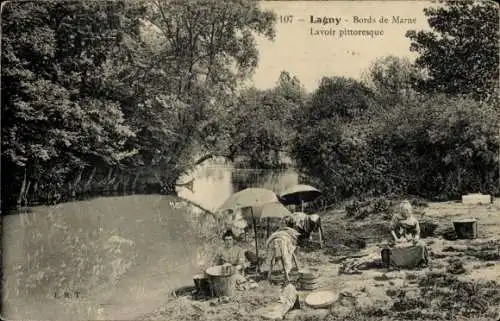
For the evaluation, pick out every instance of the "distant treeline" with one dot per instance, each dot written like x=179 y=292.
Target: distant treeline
x=114 y=97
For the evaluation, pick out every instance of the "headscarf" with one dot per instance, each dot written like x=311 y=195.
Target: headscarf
x=404 y=216
x=405 y=209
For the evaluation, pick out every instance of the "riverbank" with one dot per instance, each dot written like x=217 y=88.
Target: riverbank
x=125 y=255
x=440 y=291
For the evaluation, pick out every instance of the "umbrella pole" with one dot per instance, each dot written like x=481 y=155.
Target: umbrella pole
x=268 y=227
x=301 y=205
x=256 y=244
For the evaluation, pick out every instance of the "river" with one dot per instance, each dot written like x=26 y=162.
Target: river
x=70 y=246
x=215 y=180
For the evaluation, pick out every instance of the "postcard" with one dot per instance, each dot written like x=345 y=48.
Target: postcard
x=250 y=160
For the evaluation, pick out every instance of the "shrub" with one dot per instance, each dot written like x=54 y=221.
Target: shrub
x=379 y=206
x=433 y=147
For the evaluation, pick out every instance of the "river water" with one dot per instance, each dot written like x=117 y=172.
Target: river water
x=53 y=248
x=215 y=180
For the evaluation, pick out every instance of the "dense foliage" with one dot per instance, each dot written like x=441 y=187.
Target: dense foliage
x=262 y=122
x=112 y=95
x=460 y=53
x=393 y=80
x=435 y=147
x=58 y=115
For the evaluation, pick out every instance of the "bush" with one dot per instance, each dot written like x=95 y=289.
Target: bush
x=433 y=147
x=379 y=206
x=442 y=147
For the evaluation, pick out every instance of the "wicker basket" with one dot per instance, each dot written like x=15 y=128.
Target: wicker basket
x=321 y=299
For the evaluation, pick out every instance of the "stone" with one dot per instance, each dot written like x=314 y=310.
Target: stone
x=341 y=311
x=318 y=314
x=477 y=198
x=295 y=315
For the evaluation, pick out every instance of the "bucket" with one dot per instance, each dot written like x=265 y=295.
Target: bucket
x=466 y=228
x=309 y=285
x=279 y=277
x=202 y=285
x=309 y=279
x=309 y=274
x=386 y=257
x=221 y=284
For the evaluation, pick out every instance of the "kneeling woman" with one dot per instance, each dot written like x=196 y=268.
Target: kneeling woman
x=407 y=248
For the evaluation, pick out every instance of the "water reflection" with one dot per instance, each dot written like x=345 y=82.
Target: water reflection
x=216 y=180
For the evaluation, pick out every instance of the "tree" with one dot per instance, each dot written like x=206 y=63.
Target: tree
x=292 y=96
x=340 y=98
x=460 y=53
x=204 y=49
x=210 y=41
x=290 y=88
x=393 y=79
x=261 y=121
x=57 y=115
x=330 y=147
x=84 y=88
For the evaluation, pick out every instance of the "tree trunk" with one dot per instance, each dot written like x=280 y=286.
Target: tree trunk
x=25 y=194
x=120 y=180
x=76 y=182
x=34 y=195
x=134 y=183
x=113 y=177
x=105 y=183
x=21 y=192
x=108 y=178
x=88 y=184
x=125 y=183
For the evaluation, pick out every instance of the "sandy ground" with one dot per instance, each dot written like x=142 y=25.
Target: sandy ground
x=382 y=294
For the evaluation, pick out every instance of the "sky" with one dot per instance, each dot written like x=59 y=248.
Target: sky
x=310 y=57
